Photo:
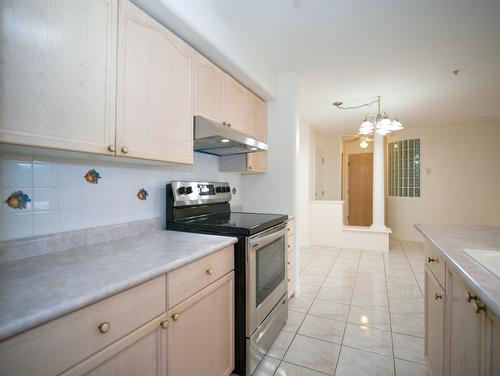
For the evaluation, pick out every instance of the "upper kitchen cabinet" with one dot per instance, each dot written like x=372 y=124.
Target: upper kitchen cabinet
x=155 y=90
x=209 y=90
x=236 y=104
x=256 y=117
x=58 y=74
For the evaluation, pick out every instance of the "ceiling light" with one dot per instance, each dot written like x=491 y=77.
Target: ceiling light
x=224 y=140
x=382 y=126
x=363 y=144
x=253 y=149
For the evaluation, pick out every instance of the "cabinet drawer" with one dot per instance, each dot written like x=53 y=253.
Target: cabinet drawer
x=185 y=281
x=436 y=264
x=62 y=343
x=291 y=227
x=291 y=280
x=290 y=243
x=291 y=258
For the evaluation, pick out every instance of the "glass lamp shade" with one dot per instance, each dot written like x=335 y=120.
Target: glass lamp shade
x=365 y=128
x=396 y=126
x=363 y=144
x=384 y=126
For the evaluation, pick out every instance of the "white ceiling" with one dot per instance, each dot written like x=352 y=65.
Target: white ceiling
x=354 y=50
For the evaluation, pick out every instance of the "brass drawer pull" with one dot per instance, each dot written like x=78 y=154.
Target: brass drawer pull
x=438 y=296
x=112 y=148
x=210 y=271
x=478 y=307
x=104 y=327
x=430 y=259
x=176 y=316
x=124 y=150
x=164 y=324
x=469 y=297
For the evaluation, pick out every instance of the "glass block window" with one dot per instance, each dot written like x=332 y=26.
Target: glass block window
x=404 y=168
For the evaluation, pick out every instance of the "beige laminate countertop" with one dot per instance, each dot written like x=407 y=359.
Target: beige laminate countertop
x=450 y=240
x=39 y=289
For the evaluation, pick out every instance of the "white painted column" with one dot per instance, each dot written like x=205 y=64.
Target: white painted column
x=378 y=184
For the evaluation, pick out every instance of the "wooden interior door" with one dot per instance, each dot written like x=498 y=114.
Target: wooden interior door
x=360 y=189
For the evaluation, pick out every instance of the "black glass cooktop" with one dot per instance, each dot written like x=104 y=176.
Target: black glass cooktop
x=234 y=223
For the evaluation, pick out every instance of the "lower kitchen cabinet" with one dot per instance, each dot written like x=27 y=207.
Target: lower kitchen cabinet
x=200 y=335
x=434 y=324
x=466 y=329
x=462 y=336
x=142 y=352
x=290 y=257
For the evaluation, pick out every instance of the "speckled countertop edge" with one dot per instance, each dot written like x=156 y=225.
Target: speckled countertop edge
x=449 y=240
x=36 y=290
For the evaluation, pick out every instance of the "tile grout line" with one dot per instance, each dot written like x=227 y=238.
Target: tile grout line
x=390 y=318
x=348 y=313
x=306 y=313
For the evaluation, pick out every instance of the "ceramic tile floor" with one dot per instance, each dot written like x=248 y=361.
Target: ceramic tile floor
x=360 y=314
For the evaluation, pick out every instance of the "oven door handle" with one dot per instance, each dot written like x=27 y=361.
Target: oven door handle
x=262 y=241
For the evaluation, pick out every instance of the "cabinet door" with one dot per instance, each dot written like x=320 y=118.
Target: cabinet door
x=58 y=74
x=465 y=328
x=256 y=117
x=142 y=352
x=201 y=332
x=492 y=345
x=209 y=89
x=155 y=90
x=257 y=162
x=236 y=104
x=434 y=324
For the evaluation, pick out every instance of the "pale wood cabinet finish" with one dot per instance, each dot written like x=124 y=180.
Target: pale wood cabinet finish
x=155 y=92
x=465 y=346
x=291 y=256
x=200 y=335
x=236 y=104
x=462 y=337
x=209 y=90
x=58 y=74
x=257 y=117
x=434 y=324
x=76 y=336
x=257 y=162
x=142 y=352
x=191 y=278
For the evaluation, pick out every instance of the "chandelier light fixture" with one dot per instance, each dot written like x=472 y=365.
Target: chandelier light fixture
x=380 y=123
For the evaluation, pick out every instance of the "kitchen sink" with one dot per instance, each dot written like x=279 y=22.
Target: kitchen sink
x=488 y=259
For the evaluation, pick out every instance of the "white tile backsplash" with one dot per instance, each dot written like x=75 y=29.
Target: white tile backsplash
x=62 y=200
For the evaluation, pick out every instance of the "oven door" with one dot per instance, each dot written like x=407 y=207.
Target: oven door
x=266 y=280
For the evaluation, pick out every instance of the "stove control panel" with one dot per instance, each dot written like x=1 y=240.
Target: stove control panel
x=198 y=193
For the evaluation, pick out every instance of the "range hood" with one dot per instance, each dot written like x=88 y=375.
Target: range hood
x=213 y=138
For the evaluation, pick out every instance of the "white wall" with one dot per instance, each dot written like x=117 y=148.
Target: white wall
x=274 y=191
x=331 y=146
x=62 y=200
x=304 y=184
x=460 y=178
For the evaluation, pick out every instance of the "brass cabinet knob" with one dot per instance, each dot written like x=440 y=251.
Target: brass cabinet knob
x=210 y=271
x=124 y=150
x=229 y=125
x=112 y=148
x=288 y=279
x=478 y=307
x=288 y=245
x=164 y=324
x=289 y=263
x=469 y=297
x=430 y=259
x=249 y=167
x=438 y=296
x=176 y=316
x=104 y=327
